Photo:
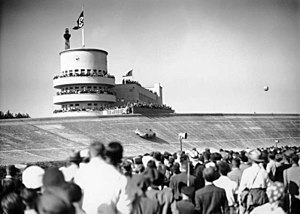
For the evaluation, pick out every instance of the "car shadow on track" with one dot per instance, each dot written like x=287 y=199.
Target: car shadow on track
x=158 y=140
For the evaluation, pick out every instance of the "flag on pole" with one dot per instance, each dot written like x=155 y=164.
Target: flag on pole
x=80 y=22
x=129 y=74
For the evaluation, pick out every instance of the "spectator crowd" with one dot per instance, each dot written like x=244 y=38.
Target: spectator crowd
x=93 y=74
x=100 y=180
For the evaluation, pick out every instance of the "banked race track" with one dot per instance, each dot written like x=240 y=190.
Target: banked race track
x=48 y=139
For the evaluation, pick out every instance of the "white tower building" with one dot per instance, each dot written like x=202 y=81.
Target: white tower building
x=84 y=84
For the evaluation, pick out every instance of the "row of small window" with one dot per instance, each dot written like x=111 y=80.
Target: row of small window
x=84 y=71
x=77 y=105
x=84 y=88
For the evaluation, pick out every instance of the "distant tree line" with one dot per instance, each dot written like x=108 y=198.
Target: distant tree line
x=9 y=115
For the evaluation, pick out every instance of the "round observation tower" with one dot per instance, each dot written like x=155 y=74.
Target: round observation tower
x=83 y=85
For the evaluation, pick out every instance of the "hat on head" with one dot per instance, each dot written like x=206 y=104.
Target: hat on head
x=255 y=155
x=32 y=177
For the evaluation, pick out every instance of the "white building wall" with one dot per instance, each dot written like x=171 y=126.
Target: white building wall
x=83 y=59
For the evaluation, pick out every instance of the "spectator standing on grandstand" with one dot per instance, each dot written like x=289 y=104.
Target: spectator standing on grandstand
x=292 y=182
x=254 y=178
x=228 y=185
x=210 y=199
x=102 y=184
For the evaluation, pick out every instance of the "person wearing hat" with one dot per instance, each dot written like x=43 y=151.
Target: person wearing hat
x=32 y=177
x=255 y=179
x=185 y=205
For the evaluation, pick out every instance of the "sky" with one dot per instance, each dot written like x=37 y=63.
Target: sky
x=211 y=56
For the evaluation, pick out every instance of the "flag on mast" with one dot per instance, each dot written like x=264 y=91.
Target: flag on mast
x=129 y=74
x=80 y=22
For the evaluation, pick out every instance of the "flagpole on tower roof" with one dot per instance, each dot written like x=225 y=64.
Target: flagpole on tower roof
x=82 y=30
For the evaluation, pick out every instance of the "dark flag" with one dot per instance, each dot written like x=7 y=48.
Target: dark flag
x=80 y=22
x=129 y=73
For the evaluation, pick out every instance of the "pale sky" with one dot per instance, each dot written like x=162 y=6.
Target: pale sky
x=210 y=56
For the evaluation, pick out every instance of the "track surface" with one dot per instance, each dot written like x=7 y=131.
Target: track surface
x=31 y=140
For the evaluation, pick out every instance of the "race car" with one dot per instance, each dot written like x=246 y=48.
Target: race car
x=147 y=133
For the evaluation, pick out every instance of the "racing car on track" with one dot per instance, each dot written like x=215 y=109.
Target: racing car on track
x=147 y=133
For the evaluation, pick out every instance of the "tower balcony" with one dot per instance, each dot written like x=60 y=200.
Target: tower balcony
x=84 y=80
x=68 y=98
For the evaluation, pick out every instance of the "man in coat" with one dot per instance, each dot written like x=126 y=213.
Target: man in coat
x=211 y=199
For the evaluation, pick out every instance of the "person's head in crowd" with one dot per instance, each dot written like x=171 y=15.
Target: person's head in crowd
x=271 y=156
x=29 y=198
x=53 y=177
x=156 y=178
x=157 y=156
x=32 y=177
x=206 y=156
x=209 y=174
x=187 y=192
x=126 y=167
x=138 y=166
x=276 y=193
x=11 y=171
x=236 y=162
x=295 y=159
x=74 y=192
x=255 y=156
x=278 y=158
x=244 y=158
x=12 y=204
x=207 y=150
x=223 y=167
x=114 y=153
x=171 y=160
x=184 y=166
x=8 y=186
x=55 y=201
x=146 y=158
x=75 y=158
x=97 y=150
x=151 y=164
x=175 y=168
